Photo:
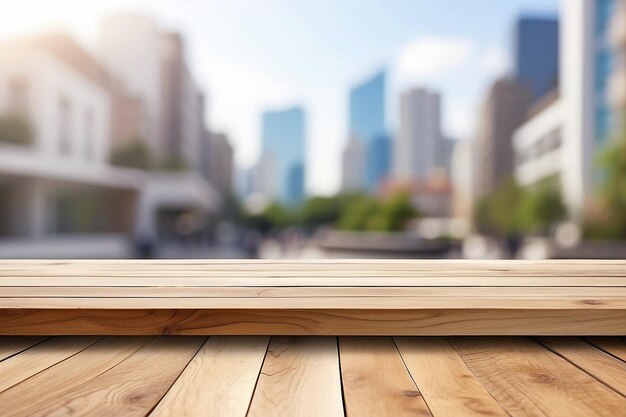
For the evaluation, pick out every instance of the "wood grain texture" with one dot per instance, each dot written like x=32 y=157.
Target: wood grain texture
x=358 y=297
x=10 y=346
x=291 y=268
x=134 y=386
x=324 y=376
x=61 y=380
x=219 y=381
x=489 y=294
x=300 y=377
x=444 y=380
x=299 y=279
x=17 y=368
x=529 y=380
x=614 y=346
x=602 y=366
x=375 y=380
x=313 y=322
x=426 y=302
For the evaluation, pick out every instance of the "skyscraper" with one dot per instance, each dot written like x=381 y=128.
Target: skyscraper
x=502 y=112
x=130 y=45
x=353 y=166
x=416 y=151
x=217 y=161
x=283 y=142
x=151 y=65
x=537 y=54
x=367 y=124
x=378 y=160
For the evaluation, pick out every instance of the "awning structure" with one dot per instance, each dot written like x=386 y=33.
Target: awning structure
x=17 y=162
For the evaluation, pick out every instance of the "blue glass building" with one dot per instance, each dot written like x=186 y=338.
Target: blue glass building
x=367 y=123
x=378 y=160
x=603 y=61
x=283 y=139
x=537 y=54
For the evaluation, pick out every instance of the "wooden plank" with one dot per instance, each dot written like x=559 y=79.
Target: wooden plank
x=134 y=386
x=300 y=377
x=10 y=346
x=62 y=378
x=444 y=380
x=323 y=303
x=219 y=381
x=28 y=363
x=375 y=380
x=594 y=297
x=357 y=267
x=614 y=346
x=362 y=322
x=327 y=280
x=529 y=380
x=602 y=366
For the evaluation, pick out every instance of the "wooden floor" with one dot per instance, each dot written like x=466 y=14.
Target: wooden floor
x=312 y=376
x=394 y=298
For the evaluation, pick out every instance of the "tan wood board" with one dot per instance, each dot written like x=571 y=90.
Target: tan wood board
x=444 y=380
x=602 y=366
x=219 y=381
x=529 y=380
x=375 y=380
x=300 y=377
x=10 y=346
x=435 y=322
x=134 y=386
x=40 y=357
x=62 y=379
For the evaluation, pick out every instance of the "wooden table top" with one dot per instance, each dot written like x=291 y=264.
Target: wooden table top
x=358 y=297
x=312 y=376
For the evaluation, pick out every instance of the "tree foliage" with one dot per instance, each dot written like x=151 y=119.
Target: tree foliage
x=512 y=210
x=15 y=129
x=134 y=155
x=613 y=190
x=349 y=211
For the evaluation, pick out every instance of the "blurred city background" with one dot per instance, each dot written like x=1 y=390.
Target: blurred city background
x=298 y=129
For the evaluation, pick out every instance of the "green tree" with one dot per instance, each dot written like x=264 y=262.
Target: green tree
x=173 y=164
x=543 y=207
x=15 y=129
x=273 y=218
x=356 y=214
x=321 y=211
x=499 y=213
x=613 y=162
x=368 y=214
x=133 y=155
x=514 y=210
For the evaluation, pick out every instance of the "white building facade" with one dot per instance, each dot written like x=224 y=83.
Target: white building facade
x=59 y=183
x=58 y=89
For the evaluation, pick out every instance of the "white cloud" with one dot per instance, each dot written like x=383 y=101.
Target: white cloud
x=431 y=56
x=496 y=61
x=460 y=120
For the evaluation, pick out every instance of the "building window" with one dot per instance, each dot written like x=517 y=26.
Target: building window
x=65 y=125
x=88 y=134
x=18 y=96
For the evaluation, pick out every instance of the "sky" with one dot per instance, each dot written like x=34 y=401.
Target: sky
x=255 y=55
